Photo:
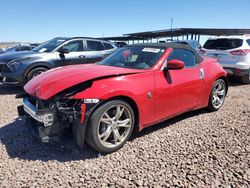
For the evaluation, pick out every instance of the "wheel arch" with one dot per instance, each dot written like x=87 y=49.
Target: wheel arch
x=226 y=82
x=133 y=105
x=37 y=65
x=34 y=66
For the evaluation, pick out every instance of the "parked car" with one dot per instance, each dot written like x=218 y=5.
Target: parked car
x=135 y=87
x=232 y=52
x=192 y=43
x=18 y=68
x=18 y=48
x=2 y=50
x=120 y=44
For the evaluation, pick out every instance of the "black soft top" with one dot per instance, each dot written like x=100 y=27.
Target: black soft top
x=171 y=45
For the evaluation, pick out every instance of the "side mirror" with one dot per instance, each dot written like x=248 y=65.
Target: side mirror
x=175 y=64
x=63 y=50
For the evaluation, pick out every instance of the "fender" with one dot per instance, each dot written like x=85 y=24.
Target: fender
x=204 y=98
x=105 y=89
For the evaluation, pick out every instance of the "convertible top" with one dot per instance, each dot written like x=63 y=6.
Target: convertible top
x=171 y=45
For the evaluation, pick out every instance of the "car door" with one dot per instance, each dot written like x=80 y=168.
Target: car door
x=178 y=90
x=94 y=51
x=75 y=53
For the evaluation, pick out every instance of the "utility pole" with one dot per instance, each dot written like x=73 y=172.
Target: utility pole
x=171 y=29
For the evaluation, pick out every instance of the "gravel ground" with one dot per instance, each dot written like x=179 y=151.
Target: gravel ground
x=197 y=149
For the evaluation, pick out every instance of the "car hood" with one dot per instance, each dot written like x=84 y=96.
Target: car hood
x=56 y=80
x=6 y=57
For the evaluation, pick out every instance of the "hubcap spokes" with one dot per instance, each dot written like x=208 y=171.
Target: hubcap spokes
x=114 y=126
x=37 y=73
x=218 y=94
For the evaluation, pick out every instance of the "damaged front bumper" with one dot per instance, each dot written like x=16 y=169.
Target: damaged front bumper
x=45 y=116
x=41 y=121
x=55 y=123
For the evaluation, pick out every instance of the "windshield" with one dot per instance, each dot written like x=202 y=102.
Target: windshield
x=223 y=44
x=134 y=57
x=49 y=46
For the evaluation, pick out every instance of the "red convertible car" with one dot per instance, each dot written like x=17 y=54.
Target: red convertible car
x=133 y=88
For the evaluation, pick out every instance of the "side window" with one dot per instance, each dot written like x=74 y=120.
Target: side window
x=248 y=41
x=184 y=55
x=94 y=45
x=74 y=46
x=107 y=46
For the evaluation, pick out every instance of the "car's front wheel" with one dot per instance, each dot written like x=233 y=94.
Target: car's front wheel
x=110 y=126
x=217 y=95
x=34 y=72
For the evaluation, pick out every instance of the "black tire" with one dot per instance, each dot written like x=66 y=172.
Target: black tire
x=95 y=125
x=34 y=72
x=246 y=79
x=211 y=105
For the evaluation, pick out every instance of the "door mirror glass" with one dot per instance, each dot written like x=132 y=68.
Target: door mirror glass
x=175 y=64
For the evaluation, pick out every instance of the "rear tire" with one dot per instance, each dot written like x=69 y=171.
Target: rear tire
x=110 y=126
x=246 y=79
x=217 y=95
x=34 y=72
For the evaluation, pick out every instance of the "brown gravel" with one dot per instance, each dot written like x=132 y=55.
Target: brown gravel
x=197 y=149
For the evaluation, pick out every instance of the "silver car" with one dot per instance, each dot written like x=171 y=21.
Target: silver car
x=17 y=68
x=232 y=52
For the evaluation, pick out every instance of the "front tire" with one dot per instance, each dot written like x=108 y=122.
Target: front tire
x=217 y=95
x=34 y=72
x=110 y=126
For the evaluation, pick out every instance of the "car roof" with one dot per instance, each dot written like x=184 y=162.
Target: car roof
x=165 y=45
x=71 y=38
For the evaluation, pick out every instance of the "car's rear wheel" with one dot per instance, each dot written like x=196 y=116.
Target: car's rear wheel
x=34 y=72
x=110 y=126
x=217 y=95
x=246 y=79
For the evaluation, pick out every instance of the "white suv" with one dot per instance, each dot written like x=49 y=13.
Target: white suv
x=232 y=52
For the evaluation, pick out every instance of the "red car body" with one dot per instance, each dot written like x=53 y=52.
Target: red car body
x=155 y=94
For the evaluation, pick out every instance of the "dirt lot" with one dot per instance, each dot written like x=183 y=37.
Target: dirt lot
x=197 y=149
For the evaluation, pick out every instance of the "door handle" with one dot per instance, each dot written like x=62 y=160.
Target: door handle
x=81 y=56
x=202 y=74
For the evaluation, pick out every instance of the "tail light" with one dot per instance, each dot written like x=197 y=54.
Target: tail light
x=202 y=51
x=240 y=52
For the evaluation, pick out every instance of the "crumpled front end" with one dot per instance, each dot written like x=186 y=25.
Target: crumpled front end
x=56 y=119
x=50 y=104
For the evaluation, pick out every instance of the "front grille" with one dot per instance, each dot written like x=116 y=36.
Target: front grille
x=38 y=103
x=3 y=67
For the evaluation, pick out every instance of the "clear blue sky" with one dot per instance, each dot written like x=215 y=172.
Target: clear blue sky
x=40 y=20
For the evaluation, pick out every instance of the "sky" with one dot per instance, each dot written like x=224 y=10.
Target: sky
x=41 y=20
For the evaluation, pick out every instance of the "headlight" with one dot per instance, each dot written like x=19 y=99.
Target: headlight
x=14 y=65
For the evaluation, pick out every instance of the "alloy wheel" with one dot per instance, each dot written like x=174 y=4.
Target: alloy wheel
x=114 y=126
x=219 y=92
x=37 y=73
